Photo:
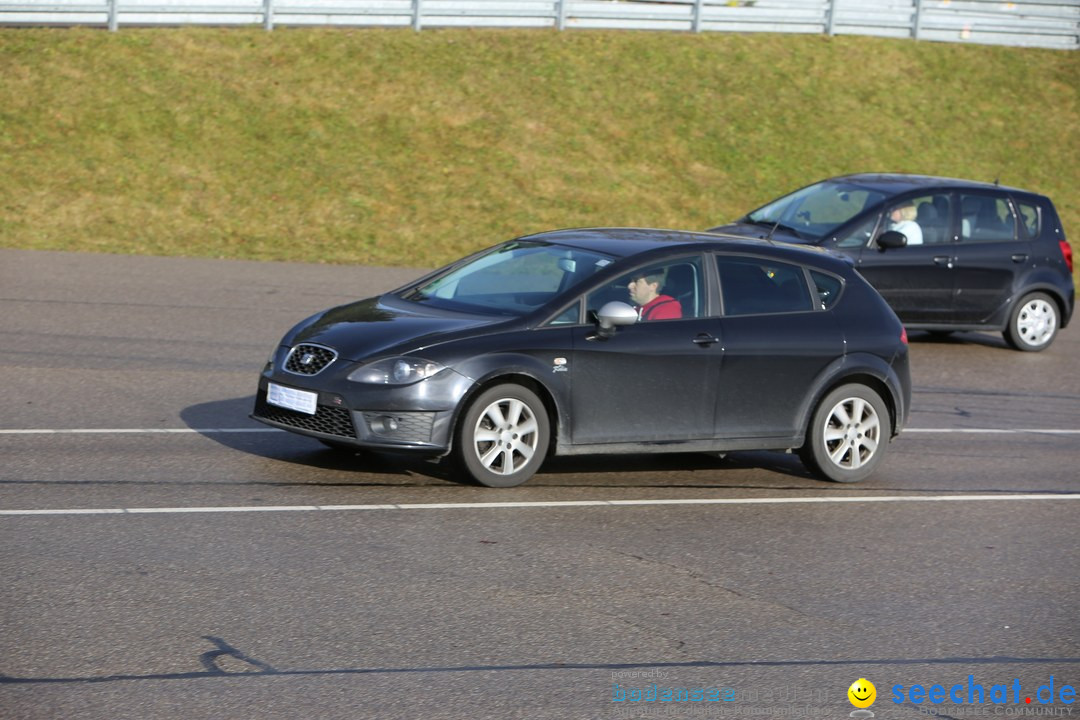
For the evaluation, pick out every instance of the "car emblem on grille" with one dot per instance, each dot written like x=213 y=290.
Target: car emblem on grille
x=309 y=360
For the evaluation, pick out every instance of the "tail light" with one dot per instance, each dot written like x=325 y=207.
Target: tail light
x=1066 y=252
x=903 y=335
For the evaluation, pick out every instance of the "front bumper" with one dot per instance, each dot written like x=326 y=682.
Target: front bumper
x=415 y=418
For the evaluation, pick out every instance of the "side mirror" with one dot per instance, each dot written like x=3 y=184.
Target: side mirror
x=613 y=314
x=891 y=240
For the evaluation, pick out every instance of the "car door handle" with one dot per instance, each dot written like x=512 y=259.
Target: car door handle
x=705 y=340
x=1019 y=257
x=945 y=260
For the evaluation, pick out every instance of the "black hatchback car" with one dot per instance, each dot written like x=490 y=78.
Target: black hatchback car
x=946 y=254
x=532 y=347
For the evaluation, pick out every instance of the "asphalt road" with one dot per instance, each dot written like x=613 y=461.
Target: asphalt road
x=225 y=570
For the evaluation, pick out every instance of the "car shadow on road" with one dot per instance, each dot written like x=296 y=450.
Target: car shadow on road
x=228 y=423
x=706 y=470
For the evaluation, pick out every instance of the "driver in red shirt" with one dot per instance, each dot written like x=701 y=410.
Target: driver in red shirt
x=651 y=304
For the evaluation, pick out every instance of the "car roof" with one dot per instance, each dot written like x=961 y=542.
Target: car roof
x=895 y=183
x=625 y=242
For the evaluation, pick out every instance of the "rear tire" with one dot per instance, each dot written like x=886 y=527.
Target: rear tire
x=502 y=439
x=1033 y=323
x=847 y=435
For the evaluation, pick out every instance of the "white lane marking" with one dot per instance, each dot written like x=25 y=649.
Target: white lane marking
x=211 y=431
x=994 y=431
x=546 y=504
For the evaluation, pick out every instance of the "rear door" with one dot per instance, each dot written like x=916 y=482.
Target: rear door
x=991 y=251
x=778 y=337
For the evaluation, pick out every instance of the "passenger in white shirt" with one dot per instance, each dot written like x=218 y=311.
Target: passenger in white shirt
x=902 y=220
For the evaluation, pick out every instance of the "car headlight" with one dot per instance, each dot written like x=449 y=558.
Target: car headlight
x=396 y=371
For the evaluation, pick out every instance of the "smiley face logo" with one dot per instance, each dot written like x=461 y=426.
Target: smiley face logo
x=862 y=693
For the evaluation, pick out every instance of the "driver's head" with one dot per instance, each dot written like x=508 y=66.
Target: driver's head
x=906 y=211
x=645 y=286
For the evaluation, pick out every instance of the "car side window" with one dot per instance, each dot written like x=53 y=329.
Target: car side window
x=751 y=286
x=986 y=218
x=1029 y=216
x=828 y=288
x=859 y=235
x=922 y=220
x=933 y=213
x=569 y=316
x=665 y=291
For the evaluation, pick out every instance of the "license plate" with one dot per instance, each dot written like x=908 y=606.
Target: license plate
x=286 y=397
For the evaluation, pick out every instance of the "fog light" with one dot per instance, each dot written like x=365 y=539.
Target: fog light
x=384 y=424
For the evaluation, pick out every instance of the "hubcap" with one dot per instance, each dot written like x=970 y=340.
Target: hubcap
x=852 y=433
x=505 y=436
x=1036 y=322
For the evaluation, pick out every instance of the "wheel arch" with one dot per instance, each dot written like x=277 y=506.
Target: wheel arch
x=510 y=377
x=1064 y=305
x=864 y=376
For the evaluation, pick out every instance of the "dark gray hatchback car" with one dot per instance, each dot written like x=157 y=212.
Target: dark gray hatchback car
x=946 y=254
x=532 y=347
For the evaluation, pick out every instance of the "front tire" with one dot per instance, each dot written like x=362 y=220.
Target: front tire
x=847 y=435
x=1033 y=323
x=503 y=437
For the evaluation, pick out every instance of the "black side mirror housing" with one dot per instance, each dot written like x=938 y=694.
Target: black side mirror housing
x=891 y=240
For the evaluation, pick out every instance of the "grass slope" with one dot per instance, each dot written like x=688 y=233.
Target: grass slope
x=399 y=148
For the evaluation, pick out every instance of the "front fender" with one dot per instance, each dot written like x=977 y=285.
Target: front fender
x=541 y=370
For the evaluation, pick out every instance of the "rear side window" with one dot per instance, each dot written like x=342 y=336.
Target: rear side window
x=986 y=218
x=751 y=286
x=1029 y=218
x=828 y=288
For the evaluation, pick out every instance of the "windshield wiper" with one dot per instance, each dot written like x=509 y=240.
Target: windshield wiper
x=774 y=225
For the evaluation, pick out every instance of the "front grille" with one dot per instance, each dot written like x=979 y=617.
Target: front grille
x=326 y=420
x=309 y=359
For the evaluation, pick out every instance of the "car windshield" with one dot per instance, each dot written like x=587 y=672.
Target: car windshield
x=511 y=279
x=816 y=211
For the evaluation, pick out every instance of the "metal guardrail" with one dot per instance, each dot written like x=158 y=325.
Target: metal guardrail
x=1032 y=23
